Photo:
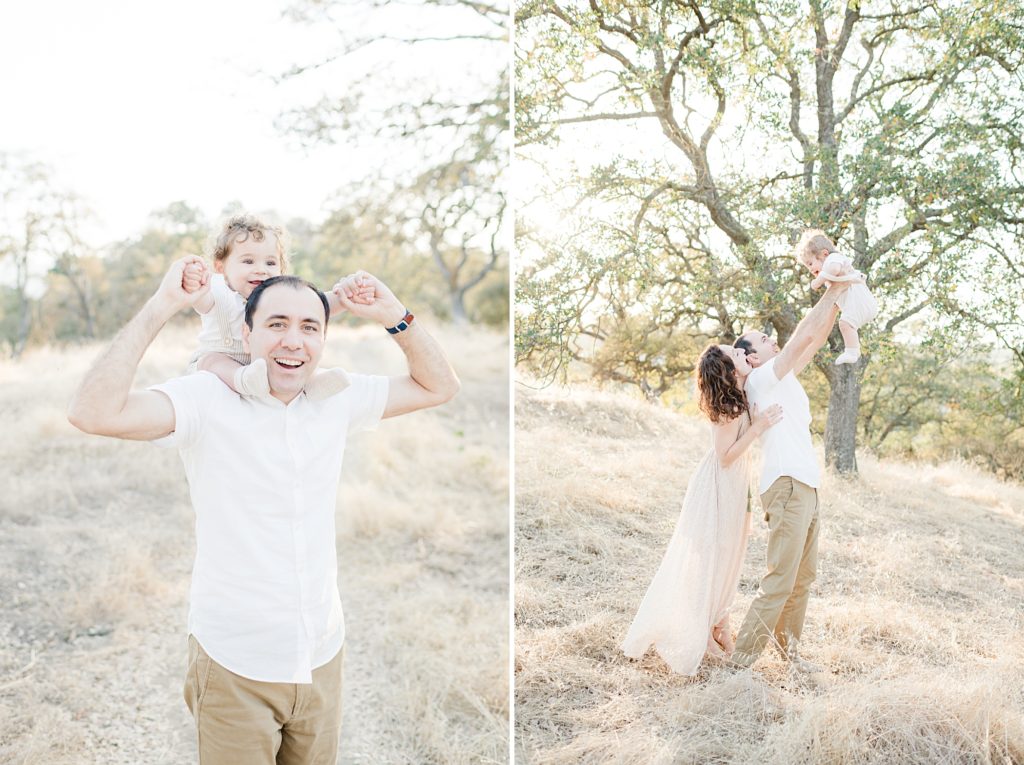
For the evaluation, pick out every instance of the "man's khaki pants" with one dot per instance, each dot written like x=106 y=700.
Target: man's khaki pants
x=248 y=722
x=791 y=509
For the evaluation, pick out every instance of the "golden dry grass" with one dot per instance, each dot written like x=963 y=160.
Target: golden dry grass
x=917 y=613
x=96 y=547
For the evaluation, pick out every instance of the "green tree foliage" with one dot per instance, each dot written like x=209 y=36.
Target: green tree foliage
x=365 y=238
x=136 y=266
x=68 y=291
x=370 y=235
x=893 y=125
x=449 y=200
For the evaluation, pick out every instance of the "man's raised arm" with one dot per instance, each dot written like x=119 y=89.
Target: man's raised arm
x=431 y=380
x=816 y=343
x=811 y=333
x=104 y=403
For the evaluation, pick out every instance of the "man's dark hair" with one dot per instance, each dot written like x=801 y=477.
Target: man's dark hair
x=746 y=345
x=292 y=281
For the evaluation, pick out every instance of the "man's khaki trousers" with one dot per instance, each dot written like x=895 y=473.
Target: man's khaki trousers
x=791 y=509
x=247 y=722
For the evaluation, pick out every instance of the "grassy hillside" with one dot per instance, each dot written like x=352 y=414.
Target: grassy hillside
x=96 y=548
x=917 y=613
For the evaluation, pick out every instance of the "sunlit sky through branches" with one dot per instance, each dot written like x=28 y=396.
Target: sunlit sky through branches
x=136 y=105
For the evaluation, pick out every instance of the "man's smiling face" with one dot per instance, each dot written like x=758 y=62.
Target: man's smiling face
x=764 y=348
x=288 y=328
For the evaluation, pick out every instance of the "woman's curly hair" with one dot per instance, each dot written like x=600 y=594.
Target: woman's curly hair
x=721 y=397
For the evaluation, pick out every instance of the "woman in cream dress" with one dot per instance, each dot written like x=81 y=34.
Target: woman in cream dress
x=685 y=612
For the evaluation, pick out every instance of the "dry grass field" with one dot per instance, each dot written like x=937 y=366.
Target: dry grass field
x=917 y=613
x=96 y=547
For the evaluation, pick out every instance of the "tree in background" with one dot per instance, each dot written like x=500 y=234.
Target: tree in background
x=893 y=125
x=55 y=286
x=362 y=235
x=118 y=280
x=135 y=266
x=440 y=190
x=39 y=226
x=62 y=290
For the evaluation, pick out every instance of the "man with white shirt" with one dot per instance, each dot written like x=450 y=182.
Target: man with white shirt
x=790 y=477
x=265 y=623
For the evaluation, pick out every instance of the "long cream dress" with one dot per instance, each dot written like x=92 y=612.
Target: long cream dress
x=697 y=579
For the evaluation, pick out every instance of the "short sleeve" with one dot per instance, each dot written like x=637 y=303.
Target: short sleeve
x=368 y=395
x=188 y=395
x=222 y=293
x=761 y=381
x=840 y=260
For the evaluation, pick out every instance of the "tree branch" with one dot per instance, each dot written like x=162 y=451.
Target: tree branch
x=901 y=317
x=602 y=116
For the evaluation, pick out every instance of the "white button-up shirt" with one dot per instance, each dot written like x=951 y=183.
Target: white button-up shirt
x=263 y=478
x=786 y=447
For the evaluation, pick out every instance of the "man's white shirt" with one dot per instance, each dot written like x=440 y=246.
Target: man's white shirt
x=263 y=478
x=786 y=447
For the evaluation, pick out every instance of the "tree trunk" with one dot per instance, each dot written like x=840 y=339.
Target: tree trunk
x=459 y=315
x=844 y=398
x=67 y=266
x=841 y=425
x=24 y=326
x=24 y=304
x=83 y=302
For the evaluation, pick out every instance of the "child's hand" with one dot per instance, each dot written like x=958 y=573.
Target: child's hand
x=817 y=282
x=357 y=288
x=194 y=276
x=367 y=297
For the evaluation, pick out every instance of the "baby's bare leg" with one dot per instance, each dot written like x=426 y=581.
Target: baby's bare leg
x=849 y=332
x=851 y=339
x=248 y=380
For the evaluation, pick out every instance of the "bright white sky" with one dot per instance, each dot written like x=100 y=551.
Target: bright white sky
x=138 y=104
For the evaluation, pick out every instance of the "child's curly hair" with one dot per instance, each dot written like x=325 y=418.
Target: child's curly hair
x=721 y=397
x=811 y=242
x=239 y=228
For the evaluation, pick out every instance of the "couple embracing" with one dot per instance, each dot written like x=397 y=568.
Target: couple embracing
x=748 y=390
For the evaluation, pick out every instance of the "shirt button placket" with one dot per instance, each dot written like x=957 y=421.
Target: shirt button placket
x=299 y=551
